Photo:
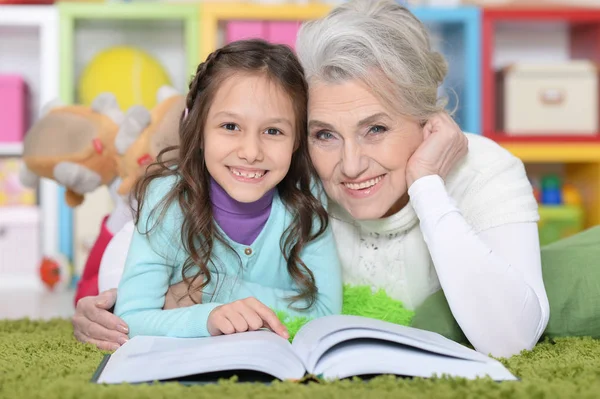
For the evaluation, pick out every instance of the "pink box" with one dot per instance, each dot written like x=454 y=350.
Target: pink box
x=240 y=30
x=13 y=108
x=283 y=33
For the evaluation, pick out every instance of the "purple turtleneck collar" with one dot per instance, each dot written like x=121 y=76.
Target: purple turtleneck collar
x=242 y=222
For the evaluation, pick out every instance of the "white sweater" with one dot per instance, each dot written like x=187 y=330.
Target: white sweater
x=476 y=236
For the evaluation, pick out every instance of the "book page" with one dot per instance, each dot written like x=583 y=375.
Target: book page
x=145 y=358
x=317 y=336
x=366 y=357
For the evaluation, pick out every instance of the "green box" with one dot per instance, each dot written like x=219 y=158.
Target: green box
x=558 y=222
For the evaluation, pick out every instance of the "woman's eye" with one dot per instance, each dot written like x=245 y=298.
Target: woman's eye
x=324 y=135
x=229 y=126
x=273 y=132
x=378 y=129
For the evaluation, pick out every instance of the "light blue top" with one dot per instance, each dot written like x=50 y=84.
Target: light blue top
x=155 y=262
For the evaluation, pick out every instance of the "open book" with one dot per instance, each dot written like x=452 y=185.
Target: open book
x=329 y=347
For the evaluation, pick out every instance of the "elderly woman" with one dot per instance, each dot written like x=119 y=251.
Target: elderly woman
x=416 y=204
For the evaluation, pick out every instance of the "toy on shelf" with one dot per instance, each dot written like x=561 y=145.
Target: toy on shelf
x=82 y=148
x=141 y=137
x=561 y=212
x=138 y=147
x=74 y=145
x=13 y=108
x=130 y=74
x=551 y=190
x=55 y=272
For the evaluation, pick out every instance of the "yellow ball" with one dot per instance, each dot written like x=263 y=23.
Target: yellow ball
x=132 y=75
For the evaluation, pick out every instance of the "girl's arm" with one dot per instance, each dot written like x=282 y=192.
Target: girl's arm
x=142 y=291
x=492 y=279
x=321 y=257
x=147 y=275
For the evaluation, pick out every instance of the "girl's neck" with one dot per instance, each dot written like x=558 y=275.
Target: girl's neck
x=222 y=201
x=241 y=221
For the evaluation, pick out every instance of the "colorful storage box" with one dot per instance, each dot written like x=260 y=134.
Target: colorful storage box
x=12 y=192
x=13 y=108
x=558 y=222
x=280 y=32
x=546 y=99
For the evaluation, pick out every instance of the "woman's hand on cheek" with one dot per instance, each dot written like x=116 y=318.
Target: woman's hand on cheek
x=444 y=144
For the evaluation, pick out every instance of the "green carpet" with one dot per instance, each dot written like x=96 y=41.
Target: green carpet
x=42 y=360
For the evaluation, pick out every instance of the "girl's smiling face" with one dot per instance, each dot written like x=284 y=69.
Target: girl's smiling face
x=360 y=148
x=249 y=136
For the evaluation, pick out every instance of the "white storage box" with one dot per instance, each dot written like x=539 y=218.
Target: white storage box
x=20 y=252
x=560 y=99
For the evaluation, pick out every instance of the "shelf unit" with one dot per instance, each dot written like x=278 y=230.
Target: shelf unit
x=214 y=14
x=581 y=163
x=458 y=33
x=544 y=35
x=11 y=149
x=168 y=32
x=29 y=46
x=455 y=32
x=552 y=34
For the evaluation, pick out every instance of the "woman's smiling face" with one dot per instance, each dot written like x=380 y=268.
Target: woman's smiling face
x=360 y=148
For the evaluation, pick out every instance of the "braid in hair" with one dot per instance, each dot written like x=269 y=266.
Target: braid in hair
x=201 y=73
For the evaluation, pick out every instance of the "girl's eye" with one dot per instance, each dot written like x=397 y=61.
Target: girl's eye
x=378 y=129
x=324 y=135
x=273 y=132
x=229 y=126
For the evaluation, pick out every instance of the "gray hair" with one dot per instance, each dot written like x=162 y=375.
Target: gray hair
x=382 y=44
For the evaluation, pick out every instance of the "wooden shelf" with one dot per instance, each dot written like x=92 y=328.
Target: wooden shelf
x=10 y=149
x=554 y=152
x=501 y=138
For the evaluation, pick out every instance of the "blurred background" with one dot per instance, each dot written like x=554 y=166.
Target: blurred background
x=522 y=73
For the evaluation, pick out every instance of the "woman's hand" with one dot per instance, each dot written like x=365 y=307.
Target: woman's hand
x=244 y=315
x=177 y=295
x=94 y=323
x=444 y=144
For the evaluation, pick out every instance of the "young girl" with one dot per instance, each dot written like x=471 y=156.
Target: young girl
x=236 y=215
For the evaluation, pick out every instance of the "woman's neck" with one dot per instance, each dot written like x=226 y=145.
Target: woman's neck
x=241 y=221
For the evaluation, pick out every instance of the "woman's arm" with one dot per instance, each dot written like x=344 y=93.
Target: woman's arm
x=492 y=280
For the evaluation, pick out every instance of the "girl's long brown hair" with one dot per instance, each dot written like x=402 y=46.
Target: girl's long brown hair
x=191 y=190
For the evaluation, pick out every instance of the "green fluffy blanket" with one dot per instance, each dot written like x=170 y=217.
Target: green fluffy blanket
x=359 y=301
x=42 y=360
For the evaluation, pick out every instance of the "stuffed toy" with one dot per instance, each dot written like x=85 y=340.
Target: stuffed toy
x=83 y=148
x=73 y=145
x=140 y=137
x=139 y=145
